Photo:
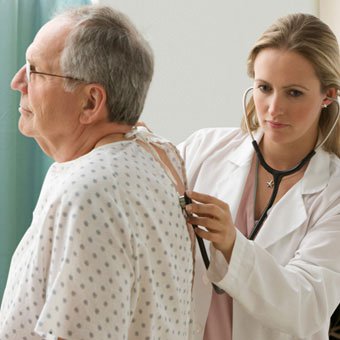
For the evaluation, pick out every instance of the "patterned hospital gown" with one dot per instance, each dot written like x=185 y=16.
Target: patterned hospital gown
x=108 y=254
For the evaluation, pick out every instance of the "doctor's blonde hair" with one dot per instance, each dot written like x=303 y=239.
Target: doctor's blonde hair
x=314 y=40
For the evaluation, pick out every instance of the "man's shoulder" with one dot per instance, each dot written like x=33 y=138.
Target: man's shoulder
x=111 y=171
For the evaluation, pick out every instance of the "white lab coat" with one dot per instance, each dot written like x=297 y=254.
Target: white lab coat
x=286 y=283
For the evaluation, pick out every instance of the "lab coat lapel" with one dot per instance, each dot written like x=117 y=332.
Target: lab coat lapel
x=236 y=167
x=287 y=215
x=290 y=212
x=231 y=190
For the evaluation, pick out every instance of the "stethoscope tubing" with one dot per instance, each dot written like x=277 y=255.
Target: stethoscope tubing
x=187 y=200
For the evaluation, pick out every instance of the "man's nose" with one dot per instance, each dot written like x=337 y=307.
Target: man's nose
x=19 y=81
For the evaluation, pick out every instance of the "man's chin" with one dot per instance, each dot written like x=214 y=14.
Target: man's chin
x=25 y=127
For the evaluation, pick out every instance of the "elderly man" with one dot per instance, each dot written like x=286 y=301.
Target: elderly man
x=108 y=254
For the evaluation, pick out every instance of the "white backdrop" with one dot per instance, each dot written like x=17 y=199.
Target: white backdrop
x=200 y=51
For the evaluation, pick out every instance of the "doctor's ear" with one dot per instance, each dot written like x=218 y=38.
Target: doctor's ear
x=94 y=103
x=331 y=95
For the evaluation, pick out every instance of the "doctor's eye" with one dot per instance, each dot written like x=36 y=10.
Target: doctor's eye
x=295 y=93
x=264 y=88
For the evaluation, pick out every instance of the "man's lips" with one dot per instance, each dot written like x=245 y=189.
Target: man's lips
x=24 y=110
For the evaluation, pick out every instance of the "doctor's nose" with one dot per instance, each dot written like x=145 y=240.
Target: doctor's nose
x=19 y=81
x=275 y=106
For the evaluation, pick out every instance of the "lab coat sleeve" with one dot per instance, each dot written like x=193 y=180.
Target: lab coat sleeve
x=296 y=298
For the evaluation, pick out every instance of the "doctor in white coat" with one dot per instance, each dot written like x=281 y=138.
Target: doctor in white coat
x=285 y=284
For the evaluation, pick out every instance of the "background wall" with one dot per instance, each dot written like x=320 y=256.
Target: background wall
x=200 y=50
x=329 y=11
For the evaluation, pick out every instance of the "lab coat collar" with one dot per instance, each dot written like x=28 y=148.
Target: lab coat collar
x=244 y=153
x=317 y=173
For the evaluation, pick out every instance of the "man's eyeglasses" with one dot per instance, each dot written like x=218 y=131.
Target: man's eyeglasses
x=29 y=71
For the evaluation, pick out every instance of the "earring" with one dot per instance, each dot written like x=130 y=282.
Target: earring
x=324 y=106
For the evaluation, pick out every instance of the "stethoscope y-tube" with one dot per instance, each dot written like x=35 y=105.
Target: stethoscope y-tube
x=277 y=177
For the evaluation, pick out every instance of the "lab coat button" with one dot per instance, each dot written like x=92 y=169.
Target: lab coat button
x=205 y=279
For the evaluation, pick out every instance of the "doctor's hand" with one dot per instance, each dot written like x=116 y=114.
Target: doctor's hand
x=213 y=214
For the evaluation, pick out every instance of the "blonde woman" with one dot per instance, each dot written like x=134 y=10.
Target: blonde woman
x=285 y=282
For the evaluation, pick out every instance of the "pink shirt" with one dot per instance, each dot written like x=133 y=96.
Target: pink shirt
x=220 y=317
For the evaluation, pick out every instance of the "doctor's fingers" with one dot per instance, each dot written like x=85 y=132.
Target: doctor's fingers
x=206 y=210
x=221 y=237
x=211 y=224
x=209 y=236
x=207 y=199
x=223 y=241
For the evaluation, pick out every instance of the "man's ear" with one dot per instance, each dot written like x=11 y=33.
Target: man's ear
x=94 y=103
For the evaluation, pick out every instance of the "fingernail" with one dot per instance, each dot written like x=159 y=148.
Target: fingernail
x=188 y=208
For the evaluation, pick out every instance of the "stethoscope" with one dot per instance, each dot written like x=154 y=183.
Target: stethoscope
x=279 y=174
x=277 y=178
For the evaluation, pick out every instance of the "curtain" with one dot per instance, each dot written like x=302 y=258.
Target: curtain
x=22 y=164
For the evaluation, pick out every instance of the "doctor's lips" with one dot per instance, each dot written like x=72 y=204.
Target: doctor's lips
x=276 y=125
